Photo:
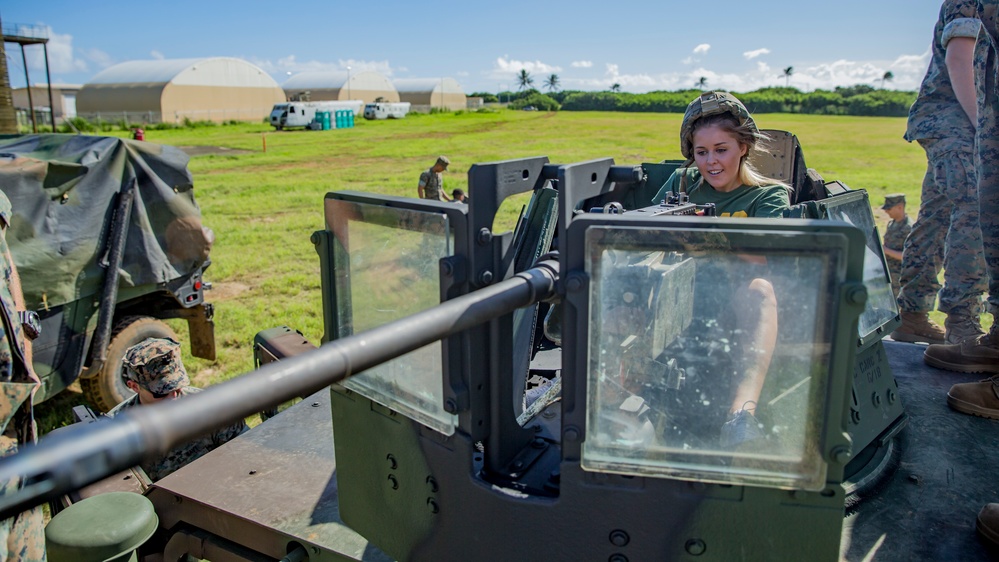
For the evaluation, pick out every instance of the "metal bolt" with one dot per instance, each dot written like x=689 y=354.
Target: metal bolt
x=450 y=406
x=486 y=277
x=315 y=404
x=432 y=504
x=617 y=558
x=393 y=483
x=840 y=454
x=570 y=434
x=876 y=398
x=695 y=547
x=857 y=295
x=447 y=268
x=574 y=283
x=433 y=484
x=391 y=461
x=891 y=396
x=619 y=538
x=854 y=416
x=485 y=236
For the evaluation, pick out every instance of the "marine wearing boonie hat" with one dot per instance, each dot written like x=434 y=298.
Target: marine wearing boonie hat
x=443 y=161
x=893 y=199
x=155 y=364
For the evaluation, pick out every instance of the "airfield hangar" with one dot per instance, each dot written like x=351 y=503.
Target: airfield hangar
x=336 y=85
x=426 y=93
x=207 y=89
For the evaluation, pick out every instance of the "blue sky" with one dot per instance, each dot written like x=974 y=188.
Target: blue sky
x=640 y=44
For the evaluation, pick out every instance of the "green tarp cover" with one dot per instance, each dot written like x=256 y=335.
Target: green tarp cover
x=64 y=191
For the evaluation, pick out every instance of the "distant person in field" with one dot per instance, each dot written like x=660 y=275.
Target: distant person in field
x=431 y=184
x=154 y=370
x=945 y=234
x=895 y=235
x=458 y=196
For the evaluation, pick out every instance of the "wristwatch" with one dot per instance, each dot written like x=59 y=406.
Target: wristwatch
x=30 y=323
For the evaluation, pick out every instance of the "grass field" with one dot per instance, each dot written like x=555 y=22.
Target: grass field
x=263 y=206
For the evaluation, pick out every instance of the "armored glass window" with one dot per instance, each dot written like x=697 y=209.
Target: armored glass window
x=676 y=340
x=386 y=267
x=881 y=304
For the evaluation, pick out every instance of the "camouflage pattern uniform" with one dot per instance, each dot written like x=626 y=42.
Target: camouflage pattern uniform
x=946 y=231
x=987 y=88
x=895 y=237
x=433 y=184
x=22 y=536
x=155 y=364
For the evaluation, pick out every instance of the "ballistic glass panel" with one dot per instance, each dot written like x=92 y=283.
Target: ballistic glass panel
x=386 y=266
x=881 y=305
x=687 y=326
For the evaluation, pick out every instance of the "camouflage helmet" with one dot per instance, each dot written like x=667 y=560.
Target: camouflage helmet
x=706 y=104
x=155 y=364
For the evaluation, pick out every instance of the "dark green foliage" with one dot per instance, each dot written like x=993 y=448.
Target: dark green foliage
x=539 y=101
x=486 y=97
x=854 y=100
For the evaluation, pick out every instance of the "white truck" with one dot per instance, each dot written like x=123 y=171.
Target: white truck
x=385 y=110
x=301 y=113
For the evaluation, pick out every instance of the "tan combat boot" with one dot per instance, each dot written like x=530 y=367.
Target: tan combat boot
x=988 y=523
x=980 y=355
x=960 y=327
x=918 y=328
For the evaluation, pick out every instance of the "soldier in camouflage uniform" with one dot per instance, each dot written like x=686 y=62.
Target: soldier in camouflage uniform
x=153 y=369
x=946 y=230
x=895 y=235
x=432 y=182
x=981 y=355
x=22 y=536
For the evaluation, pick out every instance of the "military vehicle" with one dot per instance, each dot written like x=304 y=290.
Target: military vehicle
x=82 y=207
x=550 y=394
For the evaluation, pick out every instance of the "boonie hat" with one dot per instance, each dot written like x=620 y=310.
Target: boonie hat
x=443 y=161
x=155 y=364
x=893 y=199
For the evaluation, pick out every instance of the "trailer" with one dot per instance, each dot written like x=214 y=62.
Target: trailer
x=381 y=110
x=302 y=113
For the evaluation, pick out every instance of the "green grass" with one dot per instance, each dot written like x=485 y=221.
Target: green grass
x=263 y=206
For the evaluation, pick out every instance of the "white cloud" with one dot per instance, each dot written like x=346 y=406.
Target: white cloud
x=689 y=60
x=581 y=64
x=612 y=69
x=461 y=73
x=62 y=58
x=750 y=55
x=156 y=54
x=702 y=48
x=281 y=67
x=507 y=69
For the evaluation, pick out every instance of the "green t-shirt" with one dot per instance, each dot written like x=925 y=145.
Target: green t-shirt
x=762 y=201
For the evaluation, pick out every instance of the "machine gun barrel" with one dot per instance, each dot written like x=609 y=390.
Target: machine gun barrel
x=76 y=456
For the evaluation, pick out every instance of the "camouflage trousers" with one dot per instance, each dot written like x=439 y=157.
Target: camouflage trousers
x=22 y=537
x=987 y=139
x=946 y=234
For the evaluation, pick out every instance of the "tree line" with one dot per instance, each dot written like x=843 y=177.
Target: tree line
x=853 y=100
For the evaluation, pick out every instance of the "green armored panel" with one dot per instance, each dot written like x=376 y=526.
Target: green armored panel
x=105 y=527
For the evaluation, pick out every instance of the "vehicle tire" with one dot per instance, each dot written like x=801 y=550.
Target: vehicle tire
x=106 y=390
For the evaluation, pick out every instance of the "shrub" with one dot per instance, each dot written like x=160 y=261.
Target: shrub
x=537 y=100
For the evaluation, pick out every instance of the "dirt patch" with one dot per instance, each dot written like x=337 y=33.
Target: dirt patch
x=205 y=150
x=226 y=291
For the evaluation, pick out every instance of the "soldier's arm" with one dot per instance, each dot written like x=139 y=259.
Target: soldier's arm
x=15 y=291
x=423 y=182
x=960 y=66
x=893 y=254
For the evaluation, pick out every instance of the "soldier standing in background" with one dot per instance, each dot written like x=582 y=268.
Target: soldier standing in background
x=981 y=355
x=895 y=235
x=22 y=537
x=432 y=181
x=154 y=370
x=946 y=230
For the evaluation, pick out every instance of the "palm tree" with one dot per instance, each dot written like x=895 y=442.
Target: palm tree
x=702 y=82
x=552 y=83
x=616 y=87
x=524 y=79
x=888 y=77
x=787 y=75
